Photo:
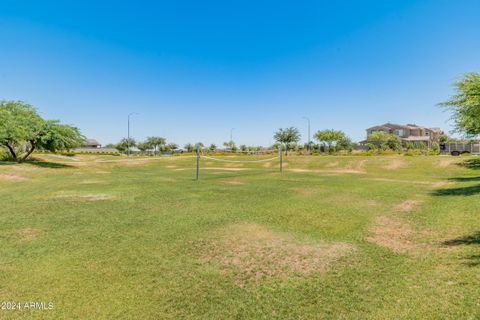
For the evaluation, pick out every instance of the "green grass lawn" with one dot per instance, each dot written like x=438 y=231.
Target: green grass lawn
x=381 y=237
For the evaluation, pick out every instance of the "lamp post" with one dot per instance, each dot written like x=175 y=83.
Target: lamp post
x=308 y=142
x=128 y=131
x=231 y=134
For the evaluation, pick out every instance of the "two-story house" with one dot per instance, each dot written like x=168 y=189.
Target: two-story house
x=408 y=133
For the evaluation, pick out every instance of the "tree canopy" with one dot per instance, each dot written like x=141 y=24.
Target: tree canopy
x=330 y=137
x=465 y=104
x=287 y=136
x=385 y=140
x=23 y=131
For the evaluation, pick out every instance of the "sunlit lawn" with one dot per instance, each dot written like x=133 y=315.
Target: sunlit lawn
x=381 y=237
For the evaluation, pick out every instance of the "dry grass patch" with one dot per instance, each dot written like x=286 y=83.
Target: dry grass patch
x=251 y=252
x=437 y=184
x=83 y=197
x=225 y=169
x=27 y=234
x=327 y=171
x=304 y=191
x=395 y=164
x=12 y=178
x=393 y=233
x=235 y=182
x=445 y=163
x=408 y=205
x=90 y=182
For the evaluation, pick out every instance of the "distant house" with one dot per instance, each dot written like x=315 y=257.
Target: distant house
x=408 y=133
x=92 y=143
x=93 y=146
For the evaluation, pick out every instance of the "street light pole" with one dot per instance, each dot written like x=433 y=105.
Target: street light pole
x=128 y=132
x=231 y=134
x=308 y=142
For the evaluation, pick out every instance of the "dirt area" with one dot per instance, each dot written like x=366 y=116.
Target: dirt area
x=235 y=182
x=83 y=197
x=12 y=178
x=408 y=205
x=252 y=252
x=392 y=233
x=395 y=164
x=27 y=234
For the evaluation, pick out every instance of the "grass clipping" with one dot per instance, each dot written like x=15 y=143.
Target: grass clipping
x=251 y=252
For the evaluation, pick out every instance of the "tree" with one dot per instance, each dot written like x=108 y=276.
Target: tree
x=155 y=143
x=287 y=137
x=199 y=146
x=345 y=144
x=143 y=146
x=172 y=146
x=384 y=140
x=329 y=137
x=230 y=145
x=125 y=143
x=189 y=147
x=465 y=104
x=23 y=131
x=212 y=147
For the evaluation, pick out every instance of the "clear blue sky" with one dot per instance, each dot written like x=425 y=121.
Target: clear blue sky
x=195 y=69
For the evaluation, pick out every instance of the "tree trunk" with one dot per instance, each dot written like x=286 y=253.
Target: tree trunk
x=29 y=152
x=14 y=155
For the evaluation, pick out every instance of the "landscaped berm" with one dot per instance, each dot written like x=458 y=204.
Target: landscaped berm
x=351 y=237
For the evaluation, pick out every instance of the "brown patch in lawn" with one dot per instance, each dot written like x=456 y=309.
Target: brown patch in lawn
x=332 y=171
x=416 y=182
x=226 y=169
x=12 y=178
x=234 y=165
x=392 y=233
x=395 y=164
x=267 y=164
x=90 y=182
x=236 y=182
x=171 y=166
x=443 y=163
x=28 y=234
x=102 y=172
x=332 y=164
x=251 y=252
x=408 y=205
x=83 y=197
x=304 y=191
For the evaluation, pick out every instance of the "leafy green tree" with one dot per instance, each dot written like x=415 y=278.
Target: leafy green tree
x=143 y=146
x=22 y=129
x=212 y=147
x=172 y=146
x=345 y=144
x=385 y=140
x=189 y=147
x=155 y=143
x=435 y=147
x=443 y=138
x=199 y=146
x=465 y=104
x=243 y=148
x=125 y=143
x=287 y=137
x=330 y=137
x=230 y=145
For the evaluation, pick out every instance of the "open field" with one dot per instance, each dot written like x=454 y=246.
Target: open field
x=381 y=237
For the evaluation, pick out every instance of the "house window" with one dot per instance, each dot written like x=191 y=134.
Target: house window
x=399 y=132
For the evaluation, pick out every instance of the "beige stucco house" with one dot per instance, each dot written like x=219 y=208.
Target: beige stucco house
x=409 y=132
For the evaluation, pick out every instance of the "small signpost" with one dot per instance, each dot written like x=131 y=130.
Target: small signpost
x=281 y=159
x=198 y=163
